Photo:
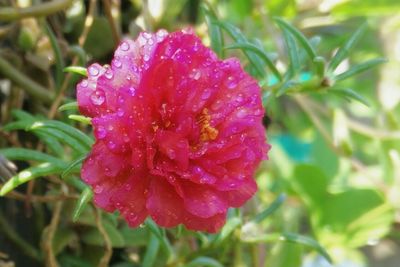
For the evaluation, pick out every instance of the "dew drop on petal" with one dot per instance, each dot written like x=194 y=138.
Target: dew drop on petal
x=241 y=113
x=109 y=74
x=120 y=112
x=84 y=83
x=231 y=82
x=93 y=71
x=171 y=153
x=111 y=145
x=132 y=91
x=195 y=74
x=146 y=57
x=97 y=98
x=101 y=132
x=206 y=94
x=117 y=63
x=98 y=189
x=124 y=46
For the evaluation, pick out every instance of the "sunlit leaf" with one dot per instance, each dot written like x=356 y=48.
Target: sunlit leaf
x=356 y=69
x=84 y=198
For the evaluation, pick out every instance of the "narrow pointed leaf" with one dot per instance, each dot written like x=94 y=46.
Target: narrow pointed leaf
x=238 y=37
x=343 y=51
x=217 y=41
x=84 y=198
x=298 y=36
x=151 y=252
x=271 y=209
x=260 y=53
x=72 y=166
x=293 y=53
x=203 y=261
x=80 y=118
x=356 y=69
x=307 y=241
x=28 y=175
x=76 y=69
x=58 y=56
x=69 y=106
x=350 y=94
x=30 y=154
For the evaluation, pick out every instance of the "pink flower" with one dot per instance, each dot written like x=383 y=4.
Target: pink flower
x=178 y=132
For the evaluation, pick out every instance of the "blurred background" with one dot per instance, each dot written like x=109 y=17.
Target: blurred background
x=330 y=190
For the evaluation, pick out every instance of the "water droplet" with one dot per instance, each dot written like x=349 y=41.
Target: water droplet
x=124 y=46
x=171 y=153
x=150 y=42
x=84 y=83
x=206 y=94
x=231 y=82
x=93 y=71
x=110 y=127
x=241 y=113
x=132 y=91
x=109 y=74
x=128 y=187
x=101 y=132
x=120 y=112
x=98 y=189
x=147 y=35
x=258 y=112
x=97 y=98
x=117 y=63
x=195 y=74
x=126 y=138
x=111 y=145
x=146 y=57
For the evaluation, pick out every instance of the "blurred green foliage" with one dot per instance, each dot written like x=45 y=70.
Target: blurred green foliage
x=329 y=191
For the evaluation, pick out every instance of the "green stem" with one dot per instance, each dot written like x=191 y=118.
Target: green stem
x=31 y=87
x=13 y=236
x=44 y=9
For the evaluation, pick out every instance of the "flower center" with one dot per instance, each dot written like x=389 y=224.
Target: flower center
x=207 y=132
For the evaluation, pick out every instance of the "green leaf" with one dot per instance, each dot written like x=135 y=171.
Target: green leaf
x=28 y=175
x=203 y=261
x=310 y=183
x=293 y=52
x=69 y=106
x=260 y=53
x=76 y=69
x=271 y=209
x=30 y=154
x=298 y=36
x=65 y=138
x=356 y=69
x=151 y=252
x=71 y=167
x=343 y=51
x=231 y=224
x=217 y=41
x=84 y=198
x=155 y=230
x=307 y=241
x=80 y=118
x=238 y=37
x=350 y=95
x=73 y=132
x=319 y=66
x=58 y=56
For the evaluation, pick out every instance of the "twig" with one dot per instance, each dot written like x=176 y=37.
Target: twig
x=48 y=236
x=114 y=30
x=13 y=236
x=35 y=198
x=41 y=10
x=82 y=39
x=107 y=242
x=27 y=84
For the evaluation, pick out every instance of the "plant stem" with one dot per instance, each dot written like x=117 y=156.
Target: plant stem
x=13 y=236
x=31 y=87
x=41 y=10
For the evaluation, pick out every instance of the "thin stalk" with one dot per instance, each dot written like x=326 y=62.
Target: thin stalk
x=41 y=10
x=25 y=83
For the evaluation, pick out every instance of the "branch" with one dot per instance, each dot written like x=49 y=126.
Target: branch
x=41 y=10
x=27 y=84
